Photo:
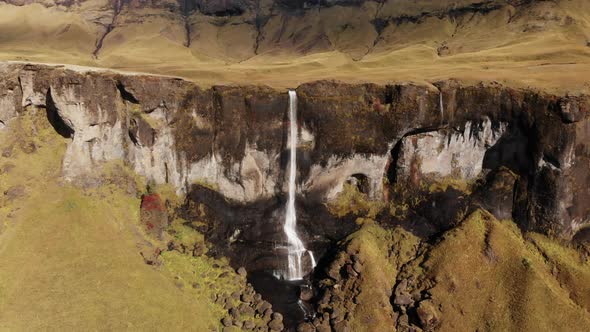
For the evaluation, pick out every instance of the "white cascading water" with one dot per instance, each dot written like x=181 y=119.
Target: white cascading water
x=295 y=248
x=442 y=107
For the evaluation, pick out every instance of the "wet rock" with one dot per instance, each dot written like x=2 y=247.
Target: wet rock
x=305 y=293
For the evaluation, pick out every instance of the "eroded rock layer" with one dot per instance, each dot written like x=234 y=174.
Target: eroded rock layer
x=232 y=138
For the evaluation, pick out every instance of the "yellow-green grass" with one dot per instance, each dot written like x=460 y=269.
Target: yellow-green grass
x=351 y=201
x=484 y=275
x=382 y=252
x=69 y=258
x=569 y=265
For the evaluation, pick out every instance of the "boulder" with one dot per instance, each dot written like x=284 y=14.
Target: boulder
x=227 y=321
x=428 y=315
x=276 y=325
x=305 y=327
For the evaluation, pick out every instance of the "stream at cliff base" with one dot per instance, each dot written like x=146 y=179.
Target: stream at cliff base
x=284 y=296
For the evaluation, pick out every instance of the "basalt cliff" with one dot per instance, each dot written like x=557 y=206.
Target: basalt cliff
x=393 y=181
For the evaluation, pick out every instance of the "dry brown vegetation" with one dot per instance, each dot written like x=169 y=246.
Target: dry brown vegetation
x=542 y=45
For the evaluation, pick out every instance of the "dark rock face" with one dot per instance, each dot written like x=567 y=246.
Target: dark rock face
x=448 y=148
x=537 y=142
x=233 y=139
x=251 y=235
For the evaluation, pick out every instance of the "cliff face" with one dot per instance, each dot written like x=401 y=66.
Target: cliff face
x=381 y=138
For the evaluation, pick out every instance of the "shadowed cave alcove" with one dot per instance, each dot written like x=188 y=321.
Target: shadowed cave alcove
x=251 y=236
x=506 y=166
x=54 y=119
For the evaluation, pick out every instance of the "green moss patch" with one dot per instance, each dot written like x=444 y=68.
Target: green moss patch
x=351 y=201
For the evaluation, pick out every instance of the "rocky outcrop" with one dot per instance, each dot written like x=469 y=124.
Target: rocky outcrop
x=233 y=139
x=445 y=153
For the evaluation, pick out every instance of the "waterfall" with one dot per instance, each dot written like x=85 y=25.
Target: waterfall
x=295 y=248
x=442 y=107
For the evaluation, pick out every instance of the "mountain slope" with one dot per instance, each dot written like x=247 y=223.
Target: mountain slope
x=284 y=43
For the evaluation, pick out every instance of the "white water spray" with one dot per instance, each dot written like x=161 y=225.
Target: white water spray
x=295 y=248
x=442 y=107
